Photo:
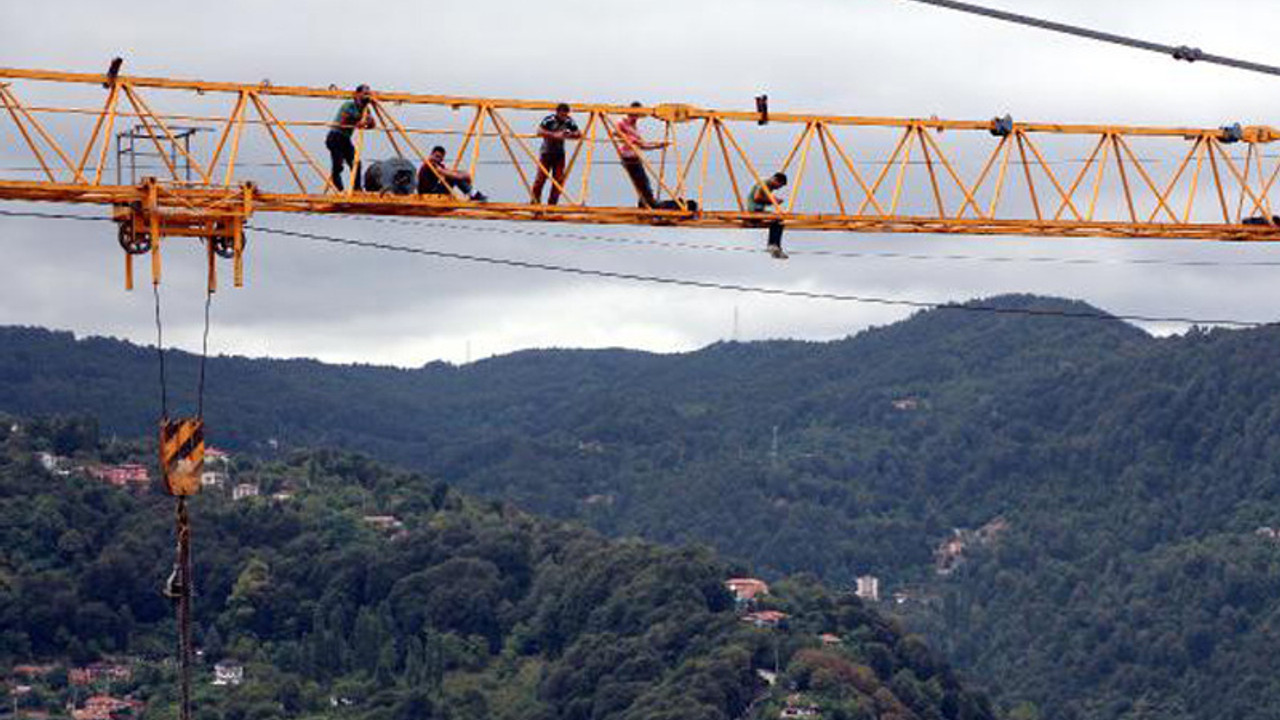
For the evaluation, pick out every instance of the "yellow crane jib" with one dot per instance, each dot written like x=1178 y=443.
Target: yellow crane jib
x=182 y=455
x=267 y=148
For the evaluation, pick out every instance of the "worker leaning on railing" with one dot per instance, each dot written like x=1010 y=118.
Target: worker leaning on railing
x=354 y=113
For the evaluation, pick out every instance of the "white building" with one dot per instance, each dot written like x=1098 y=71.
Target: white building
x=228 y=673
x=213 y=479
x=244 y=490
x=869 y=588
x=54 y=464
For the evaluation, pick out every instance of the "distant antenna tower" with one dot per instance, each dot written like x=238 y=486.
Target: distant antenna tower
x=773 y=450
x=735 y=323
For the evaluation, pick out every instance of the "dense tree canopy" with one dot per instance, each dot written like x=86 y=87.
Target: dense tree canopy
x=459 y=609
x=1132 y=472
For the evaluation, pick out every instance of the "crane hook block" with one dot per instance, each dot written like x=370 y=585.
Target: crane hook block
x=1231 y=134
x=182 y=455
x=1002 y=126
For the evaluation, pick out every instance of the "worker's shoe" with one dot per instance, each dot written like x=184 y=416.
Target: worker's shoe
x=775 y=252
x=479 y=197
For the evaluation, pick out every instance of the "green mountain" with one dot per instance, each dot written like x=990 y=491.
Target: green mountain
x=1122 y=477
x=345 y=589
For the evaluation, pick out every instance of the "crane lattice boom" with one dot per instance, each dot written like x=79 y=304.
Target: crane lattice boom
x=264 y=152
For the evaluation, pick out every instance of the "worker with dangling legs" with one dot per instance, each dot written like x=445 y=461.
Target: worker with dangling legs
x=764 y=198
x=342 y=152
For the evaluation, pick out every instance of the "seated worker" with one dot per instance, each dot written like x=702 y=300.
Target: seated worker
x=760 y=200
x=630 y=143
x=353 y=113
x=434 y=170
x=554 y=130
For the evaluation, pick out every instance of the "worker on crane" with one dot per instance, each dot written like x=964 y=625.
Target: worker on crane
x=630 y=142
x=764 y=198
x=353 y=113
x=435 y=178
x=554 y=130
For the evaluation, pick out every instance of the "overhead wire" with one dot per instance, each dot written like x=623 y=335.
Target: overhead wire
x=846 y=254
x=1177 y=52
x=750 y=289
x=703 y=284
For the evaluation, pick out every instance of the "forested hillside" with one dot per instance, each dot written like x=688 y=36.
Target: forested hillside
x=1129 y=475
x=344 y=589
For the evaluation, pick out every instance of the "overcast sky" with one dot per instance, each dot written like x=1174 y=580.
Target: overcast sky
x=867 y=57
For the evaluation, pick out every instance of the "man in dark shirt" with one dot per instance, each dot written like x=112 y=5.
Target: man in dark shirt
x=353 y=113
x=435 y=178
x=554 y=130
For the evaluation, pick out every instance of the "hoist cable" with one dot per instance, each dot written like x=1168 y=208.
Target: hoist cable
x=204 y=354
x=164 y=385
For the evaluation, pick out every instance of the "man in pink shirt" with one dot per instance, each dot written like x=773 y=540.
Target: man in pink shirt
x=630 y=143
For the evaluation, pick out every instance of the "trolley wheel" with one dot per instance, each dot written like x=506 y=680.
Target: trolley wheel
x=224 y=246
x=134 y=243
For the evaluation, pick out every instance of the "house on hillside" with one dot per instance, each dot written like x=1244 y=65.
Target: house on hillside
x=797 y=708
x=215 y=458
x=829 y=639
x=949 y=554
x=244 y=490
x=105 y=707
x=1269 y=533
x=55 y=464
x=99 y=672
x=907 y=404
x=746 y=590
x=385 y=523
x=214 y=479
x=868 y=588
x=127 y=475
x=31 y=672
x=766 y=618
x=228 y=673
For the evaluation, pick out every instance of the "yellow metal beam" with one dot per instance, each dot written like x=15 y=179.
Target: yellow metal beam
x=961 y=188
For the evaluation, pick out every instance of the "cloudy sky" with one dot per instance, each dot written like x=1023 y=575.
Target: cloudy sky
x=865 y=57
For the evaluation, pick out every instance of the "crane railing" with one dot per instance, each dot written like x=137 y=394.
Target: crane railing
x=266 y=153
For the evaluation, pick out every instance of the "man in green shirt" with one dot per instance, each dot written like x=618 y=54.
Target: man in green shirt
x=353 y=113
x=763 y=198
